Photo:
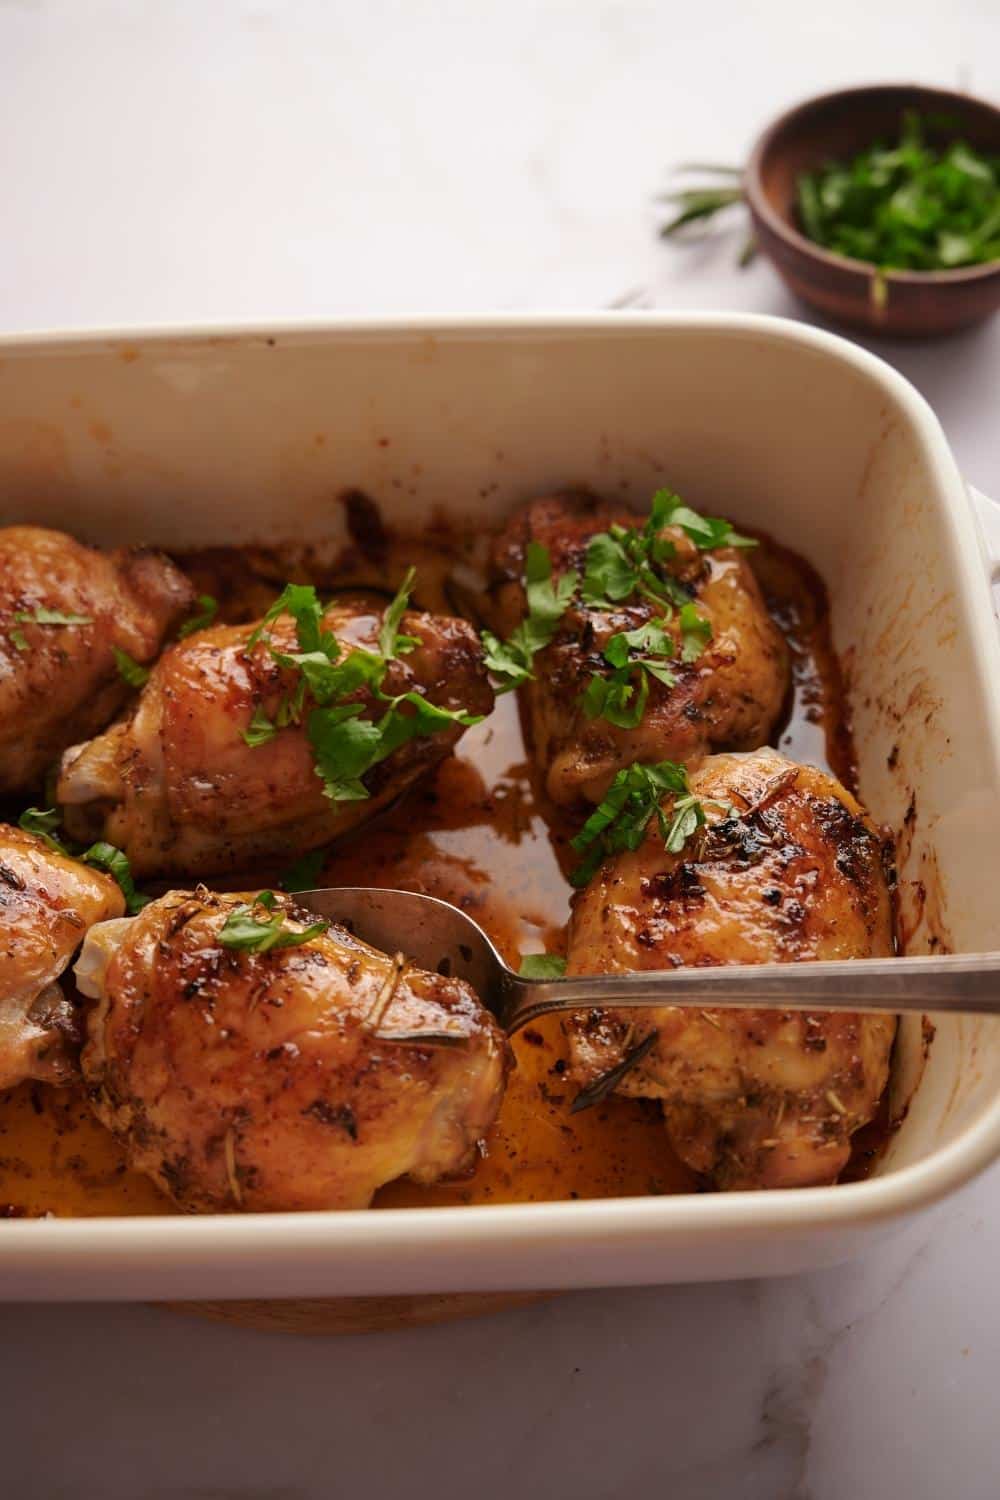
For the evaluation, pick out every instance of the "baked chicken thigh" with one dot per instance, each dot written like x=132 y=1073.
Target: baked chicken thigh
x=240 y=1076
x=64 y=608
x=47 y=902
x=787 y=868
x=189 y=784
x=729 y=695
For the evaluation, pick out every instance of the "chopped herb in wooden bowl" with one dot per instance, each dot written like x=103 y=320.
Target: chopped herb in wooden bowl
x=908 y=206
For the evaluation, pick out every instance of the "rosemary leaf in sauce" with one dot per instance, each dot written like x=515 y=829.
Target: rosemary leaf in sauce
x=598 y=1091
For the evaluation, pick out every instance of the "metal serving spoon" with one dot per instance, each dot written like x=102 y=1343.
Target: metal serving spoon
x=437 y=936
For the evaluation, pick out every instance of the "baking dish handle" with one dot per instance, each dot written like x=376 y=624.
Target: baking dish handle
x=988 y=515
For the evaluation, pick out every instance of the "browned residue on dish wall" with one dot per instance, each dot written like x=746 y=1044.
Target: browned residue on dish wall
x=920 y=909
x=818 y=727
x=478 y=833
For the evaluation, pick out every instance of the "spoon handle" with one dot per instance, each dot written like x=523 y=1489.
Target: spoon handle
x=966 y=983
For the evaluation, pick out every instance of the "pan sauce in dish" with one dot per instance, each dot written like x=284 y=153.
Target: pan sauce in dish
x=476 y=833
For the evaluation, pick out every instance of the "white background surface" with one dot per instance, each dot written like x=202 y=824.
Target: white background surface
x=244 y=159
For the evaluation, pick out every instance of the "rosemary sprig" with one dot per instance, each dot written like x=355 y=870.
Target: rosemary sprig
x=706 y=201
x=598 y=1091
x=697 y=203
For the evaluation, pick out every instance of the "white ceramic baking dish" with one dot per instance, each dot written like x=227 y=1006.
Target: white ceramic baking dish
x=185 y=438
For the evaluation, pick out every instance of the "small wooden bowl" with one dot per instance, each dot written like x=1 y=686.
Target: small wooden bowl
x=835 y=127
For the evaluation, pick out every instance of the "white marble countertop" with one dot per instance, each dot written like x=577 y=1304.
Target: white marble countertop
x=251 y=159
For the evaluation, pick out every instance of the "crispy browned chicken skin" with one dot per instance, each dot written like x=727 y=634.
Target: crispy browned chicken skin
x=729 y=698
x=291 y=1079
x=59 y=683
x=752 y=1098
x=47 y=902
x=179 y=789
